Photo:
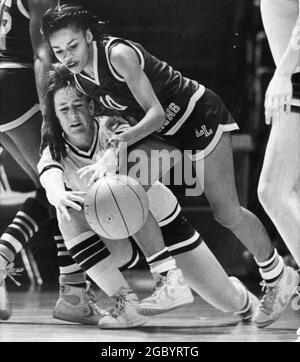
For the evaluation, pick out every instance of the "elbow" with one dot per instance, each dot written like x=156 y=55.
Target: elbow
x=160 y=118
x=42 y=56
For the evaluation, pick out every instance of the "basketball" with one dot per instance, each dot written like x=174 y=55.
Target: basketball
x=116 y=206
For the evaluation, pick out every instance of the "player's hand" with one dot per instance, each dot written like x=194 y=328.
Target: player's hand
x=278 y=98
x=107 y=165
x=112 y=123
x=68 y=199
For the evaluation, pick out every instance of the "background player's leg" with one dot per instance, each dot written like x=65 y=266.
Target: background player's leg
x=279 y=18
x=220 y=190
x=279 y=185
x=27 y=137
x=200 y=268
x=12 y=148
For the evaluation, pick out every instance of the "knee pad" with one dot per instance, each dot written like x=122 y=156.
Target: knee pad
x=136 y=256
x=179 y=235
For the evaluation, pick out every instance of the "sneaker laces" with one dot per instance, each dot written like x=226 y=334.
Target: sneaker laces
x=91 y=299
x=296 y=291
x=119 y=306
x=89 y=292
x=269 y=297
x=161 y=282
x=11 y=272
x=121 y=300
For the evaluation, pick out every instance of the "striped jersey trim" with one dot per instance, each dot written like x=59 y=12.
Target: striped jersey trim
x=195 y=97
x=22 y=9
x=49 y=167
x=111 y=68
x=19 y=121
x=90 y=153
x=95 y=67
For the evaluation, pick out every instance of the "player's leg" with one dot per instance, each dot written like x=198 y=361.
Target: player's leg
x=171 y=291
x=200 y=268
x=279 y=18
x=220 y=190
x=27 y=138
x=11 y=147
x=20 y=117
x=279 y=185
x=91 y=254
x=149 y=237
x=76 y=301
x=25 y=224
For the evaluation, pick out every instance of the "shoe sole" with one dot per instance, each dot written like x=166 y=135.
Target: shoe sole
x=150 y=311
x=269 y=322
x=132 y=324
x=66 y=318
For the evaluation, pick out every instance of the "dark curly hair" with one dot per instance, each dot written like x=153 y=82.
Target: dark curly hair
x=57 y=77
x=66 y=15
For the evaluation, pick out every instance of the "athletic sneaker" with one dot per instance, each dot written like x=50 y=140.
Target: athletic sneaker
x=170 y=292
x=6 y=270
x=276 y=298
x=251 y=302
x=125 y=313
x=295 y=302
x=77 y=305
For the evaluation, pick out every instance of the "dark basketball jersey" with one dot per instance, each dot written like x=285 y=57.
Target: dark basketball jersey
x=15 y=44
x=176 y=93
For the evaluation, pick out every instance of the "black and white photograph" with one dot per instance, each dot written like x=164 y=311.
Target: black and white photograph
x=149 y=174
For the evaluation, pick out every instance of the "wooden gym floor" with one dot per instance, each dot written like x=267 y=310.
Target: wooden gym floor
x=198 y=322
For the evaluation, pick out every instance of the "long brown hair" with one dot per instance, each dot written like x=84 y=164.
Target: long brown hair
x=58 y=77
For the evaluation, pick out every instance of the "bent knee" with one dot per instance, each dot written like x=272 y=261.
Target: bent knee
x=228 y=217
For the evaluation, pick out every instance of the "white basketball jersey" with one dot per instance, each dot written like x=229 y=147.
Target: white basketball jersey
x=162 y=201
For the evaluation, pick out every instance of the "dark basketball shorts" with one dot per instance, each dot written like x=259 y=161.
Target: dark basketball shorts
x=18 y=97
x=202 y=131
x=295 y=103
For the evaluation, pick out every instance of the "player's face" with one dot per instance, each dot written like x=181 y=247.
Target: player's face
x=73 y=112
x=72 y=47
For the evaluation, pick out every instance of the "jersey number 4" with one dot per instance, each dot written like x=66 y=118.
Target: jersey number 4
x=5 y=22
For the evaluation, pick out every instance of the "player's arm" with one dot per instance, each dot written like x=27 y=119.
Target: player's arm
x=52 y=179
x=291 y=58
x=126 y=62
x=41 y=50
x=280 y=89
x=111 y=160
